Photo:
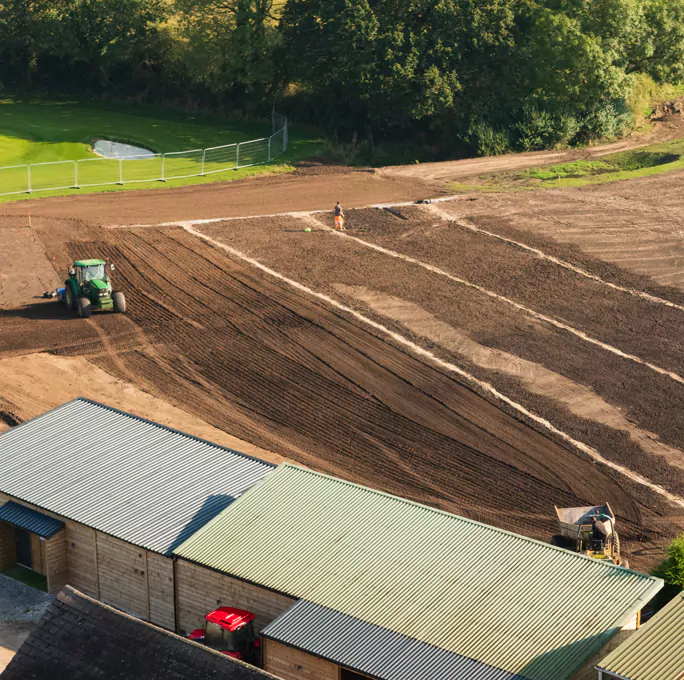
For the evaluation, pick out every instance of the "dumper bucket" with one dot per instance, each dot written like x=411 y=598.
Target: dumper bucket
x=571 y=519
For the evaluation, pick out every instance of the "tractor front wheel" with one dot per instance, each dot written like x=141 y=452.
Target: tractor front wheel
x=69 y=298
x=84 y=308
x=119 y=302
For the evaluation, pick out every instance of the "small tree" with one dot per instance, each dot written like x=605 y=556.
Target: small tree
x=672 y=569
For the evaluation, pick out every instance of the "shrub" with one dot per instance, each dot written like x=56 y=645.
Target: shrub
x=607 y=121
x=487 y=140
x=538 y=129
x=672 y=569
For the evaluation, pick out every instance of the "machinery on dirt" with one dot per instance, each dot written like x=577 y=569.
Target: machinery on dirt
x=89 y=288
x=590 y=530
x=231 y=632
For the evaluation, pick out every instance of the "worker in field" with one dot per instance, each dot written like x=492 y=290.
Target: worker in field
x=339 y=217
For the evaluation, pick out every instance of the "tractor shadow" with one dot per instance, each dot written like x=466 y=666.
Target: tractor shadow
x=46 y=310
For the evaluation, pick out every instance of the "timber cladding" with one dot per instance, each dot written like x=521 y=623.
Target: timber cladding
x=56 y=561
x=7 y=549
x=161 y=590
x=199 y=591
x=122 y=574
x=291 y=664
x=118 y=573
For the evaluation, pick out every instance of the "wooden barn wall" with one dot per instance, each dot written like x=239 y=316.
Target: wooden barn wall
x=7 y=548
x=55 y=560
x=161 y=590
x=291 y=664
x=200 y=590
x=81 y=548
x=111 y=570
x=122 y=572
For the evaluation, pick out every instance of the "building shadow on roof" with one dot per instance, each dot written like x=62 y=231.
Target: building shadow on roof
x=575 y=661
x=212 y=506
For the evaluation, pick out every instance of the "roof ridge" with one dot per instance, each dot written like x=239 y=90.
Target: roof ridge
x=453 y=516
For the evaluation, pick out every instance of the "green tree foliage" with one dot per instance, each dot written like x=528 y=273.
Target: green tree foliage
x=665 y=30
x=97 y=38
x=672 y=570
x=19 y=27
x=230 y=45
x=492 y=75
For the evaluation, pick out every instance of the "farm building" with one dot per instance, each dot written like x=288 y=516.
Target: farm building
x=654 y=652
x=99 y=499
x=79 y=638
x=390 y=589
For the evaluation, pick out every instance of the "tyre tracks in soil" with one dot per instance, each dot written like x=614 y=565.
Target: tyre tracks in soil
x=338 y=391
x=288 y=373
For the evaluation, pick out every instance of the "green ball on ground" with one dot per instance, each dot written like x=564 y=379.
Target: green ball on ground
x=308 y=229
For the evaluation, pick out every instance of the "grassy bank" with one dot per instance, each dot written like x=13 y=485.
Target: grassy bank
x=650 y=160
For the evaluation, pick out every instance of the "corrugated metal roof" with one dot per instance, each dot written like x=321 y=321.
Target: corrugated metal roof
x=655 y=651
x=126 y=476
x=31 y=520
x=370 y=649
x=502 y=599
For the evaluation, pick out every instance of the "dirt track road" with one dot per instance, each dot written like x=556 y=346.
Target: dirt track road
x=257 y=196
x=452 y=171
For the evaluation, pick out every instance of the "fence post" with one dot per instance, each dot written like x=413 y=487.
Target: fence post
x=237 y=157
x=75 y=174
x=121 y=171
x=162 y=175
x=28 y=168
x=269 y=148
x=204 y=154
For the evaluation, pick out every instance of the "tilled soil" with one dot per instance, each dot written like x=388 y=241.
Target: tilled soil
x=289 y=373
x=634 y=227
x=628 y=393
x=203 y=330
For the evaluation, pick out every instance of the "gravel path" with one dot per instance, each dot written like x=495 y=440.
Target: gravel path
x=19 y=602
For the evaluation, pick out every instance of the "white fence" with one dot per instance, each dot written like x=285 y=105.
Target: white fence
x=98 y=172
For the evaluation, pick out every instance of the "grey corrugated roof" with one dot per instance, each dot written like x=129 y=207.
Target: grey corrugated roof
x=31 y=520
x=505 y=600
x=655 y=651
x=370 y=649
x=126 y=476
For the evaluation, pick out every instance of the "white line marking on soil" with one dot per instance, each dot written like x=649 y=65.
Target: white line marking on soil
x=420 y=351
x=542 y=317
x=452 y=218
x=561 y=263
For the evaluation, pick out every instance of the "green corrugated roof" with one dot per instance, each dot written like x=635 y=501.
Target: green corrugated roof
x=505 y=600
x=655 y=651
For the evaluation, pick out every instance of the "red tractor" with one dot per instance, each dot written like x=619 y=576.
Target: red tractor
x=231 y=632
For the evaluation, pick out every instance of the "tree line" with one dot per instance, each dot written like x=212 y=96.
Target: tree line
x=492 y=75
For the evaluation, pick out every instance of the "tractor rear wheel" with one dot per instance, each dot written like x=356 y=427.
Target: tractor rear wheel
x=84 y=308
x=119 y=302
x=69 y=299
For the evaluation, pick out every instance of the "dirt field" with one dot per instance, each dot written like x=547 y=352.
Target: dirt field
x=322 y=371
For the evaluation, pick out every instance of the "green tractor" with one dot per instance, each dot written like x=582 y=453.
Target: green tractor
x=88 y=287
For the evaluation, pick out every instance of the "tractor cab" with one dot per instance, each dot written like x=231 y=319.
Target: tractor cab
x=231 y=632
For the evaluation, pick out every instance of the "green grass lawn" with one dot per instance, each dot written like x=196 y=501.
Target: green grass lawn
x=35 y=132
x=650 y=160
